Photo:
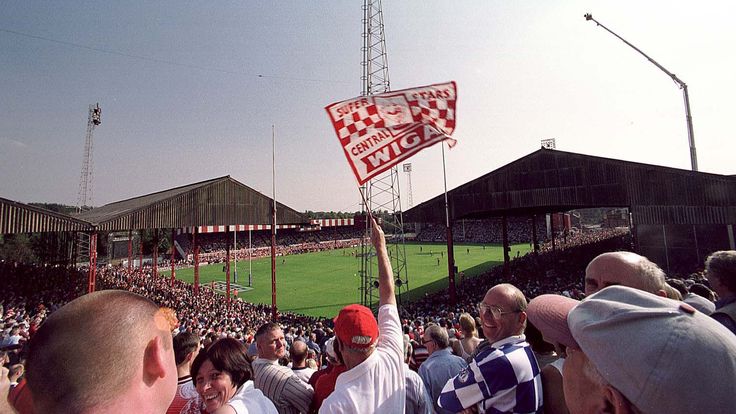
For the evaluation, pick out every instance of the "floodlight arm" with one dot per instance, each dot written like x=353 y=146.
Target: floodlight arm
x=682 y=85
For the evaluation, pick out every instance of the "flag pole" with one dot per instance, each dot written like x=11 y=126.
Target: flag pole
x=274 y=313
x=450 y=255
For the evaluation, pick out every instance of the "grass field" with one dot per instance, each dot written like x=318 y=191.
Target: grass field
x=319 y=284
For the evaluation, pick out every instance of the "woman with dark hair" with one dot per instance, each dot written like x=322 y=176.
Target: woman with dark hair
x=222 y=376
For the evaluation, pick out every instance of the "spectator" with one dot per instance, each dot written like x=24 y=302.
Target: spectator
x=632 y=351
x=374 y=380
x=186 y=400
x=720 y=269
x=288 y=393
x=504 y=375
x=418 y=400
x=324 y=383
x=109 y=350
x=440 y=366
x=624 y=268
x=298 y=353
x=222 y=375
x=465 y=347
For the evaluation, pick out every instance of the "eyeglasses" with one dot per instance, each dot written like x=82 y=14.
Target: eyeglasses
x=495 y=311
x=426 y=341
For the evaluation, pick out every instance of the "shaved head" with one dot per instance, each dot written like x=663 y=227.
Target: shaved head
x=92 y=350
x=625 y=269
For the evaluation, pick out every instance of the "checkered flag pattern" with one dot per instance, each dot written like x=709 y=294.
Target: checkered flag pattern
x=359 y=123
x=378 y=131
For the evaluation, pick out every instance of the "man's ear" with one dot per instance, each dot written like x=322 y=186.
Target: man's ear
x=337 y=346
x=190 y=356
x=154 y=361
x=615 y=402
x=662 y=293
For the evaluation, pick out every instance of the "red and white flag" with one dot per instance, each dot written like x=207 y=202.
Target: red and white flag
x=377 y=132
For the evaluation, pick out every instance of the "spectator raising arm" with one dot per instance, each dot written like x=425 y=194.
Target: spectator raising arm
x=385 y=271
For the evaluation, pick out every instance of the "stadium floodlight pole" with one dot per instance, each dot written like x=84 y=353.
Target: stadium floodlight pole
x=274 y=312
x=450 y=255
x=678 y=82
x=235 y=253
x=250 y=258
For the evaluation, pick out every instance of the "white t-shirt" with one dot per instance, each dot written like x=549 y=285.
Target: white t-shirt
x=304 y=373
x=248 y=399
x=376 y=385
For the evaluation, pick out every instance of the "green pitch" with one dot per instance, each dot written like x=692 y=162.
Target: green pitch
x=319 y=284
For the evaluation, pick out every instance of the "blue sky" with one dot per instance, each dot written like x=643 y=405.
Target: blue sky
x=189 y=90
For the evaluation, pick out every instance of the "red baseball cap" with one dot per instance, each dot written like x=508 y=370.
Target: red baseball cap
x=356 y=326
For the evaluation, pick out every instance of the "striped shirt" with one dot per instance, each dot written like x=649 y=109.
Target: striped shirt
x=288 y=393
x=502 y=378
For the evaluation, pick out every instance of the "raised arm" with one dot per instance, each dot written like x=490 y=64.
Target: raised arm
x=385 y=271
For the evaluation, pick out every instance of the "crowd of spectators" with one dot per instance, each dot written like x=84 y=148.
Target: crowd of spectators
x=289 y=241
x=519 y=230
x=31 y=293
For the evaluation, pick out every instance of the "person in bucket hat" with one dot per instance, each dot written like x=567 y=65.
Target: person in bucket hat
x=630 y=351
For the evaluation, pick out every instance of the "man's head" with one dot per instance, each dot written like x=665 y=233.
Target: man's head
x=626 y=269
x=104 y=349
x=298 y=353
x=356 y=328
x=356 y=332
x=435 y=338
x=503 y=312
x=270 y=341
x=628 y=349
x=720 y=270
x=186 y=348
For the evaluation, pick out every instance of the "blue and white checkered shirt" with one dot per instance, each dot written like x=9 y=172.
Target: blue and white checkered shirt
x=502 y=378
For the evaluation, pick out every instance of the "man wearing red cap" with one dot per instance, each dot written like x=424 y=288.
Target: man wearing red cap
x=372 y=352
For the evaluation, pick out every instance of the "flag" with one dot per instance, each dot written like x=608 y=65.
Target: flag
x=379 y=131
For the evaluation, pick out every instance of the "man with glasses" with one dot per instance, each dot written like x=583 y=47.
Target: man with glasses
x=503 y=377
x=441 y=365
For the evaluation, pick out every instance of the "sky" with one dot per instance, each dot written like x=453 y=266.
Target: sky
x=190 y=91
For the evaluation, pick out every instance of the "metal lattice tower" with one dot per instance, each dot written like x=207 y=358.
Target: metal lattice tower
x=84 y=243
x=407 y=170
x=381 y=193
x=84 y=198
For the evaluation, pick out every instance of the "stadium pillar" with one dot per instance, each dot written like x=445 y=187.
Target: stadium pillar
x=92 y=262
x=140 y=252
x=505 y=236
x=227 y=265
x=535 y=240
x=451 y=266
x=173 y=257
x=195 y=242
x=154 y=254
x=130 y=252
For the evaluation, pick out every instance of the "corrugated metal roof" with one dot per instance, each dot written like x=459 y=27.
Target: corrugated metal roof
x=17 y=217
x=220 y=201
x=551 y=180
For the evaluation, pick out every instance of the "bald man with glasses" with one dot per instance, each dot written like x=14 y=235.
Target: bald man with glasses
x=504 y=374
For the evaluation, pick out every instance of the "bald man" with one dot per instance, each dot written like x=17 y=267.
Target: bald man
x=625 y=269
x=107 y=351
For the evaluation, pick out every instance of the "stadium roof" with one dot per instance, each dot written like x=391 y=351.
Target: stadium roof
x=220 y=201
x=553 y=181
x=17 y=217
